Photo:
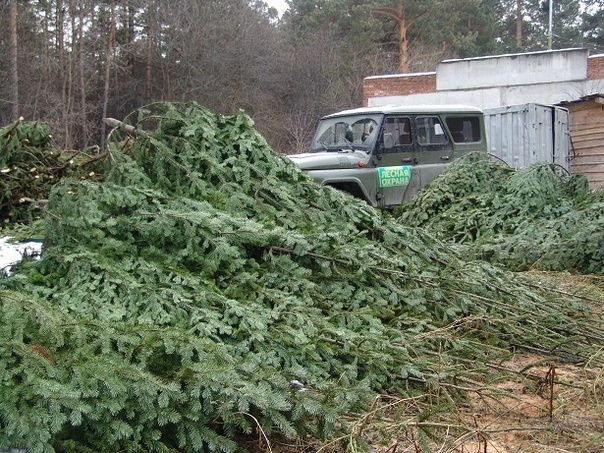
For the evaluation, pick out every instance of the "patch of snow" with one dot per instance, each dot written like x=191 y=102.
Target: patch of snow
x=12 y=252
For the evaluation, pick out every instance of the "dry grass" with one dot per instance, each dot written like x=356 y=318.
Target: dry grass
x=539 y=406
x=514 y=416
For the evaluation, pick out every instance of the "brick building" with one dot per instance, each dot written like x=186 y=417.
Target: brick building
x=570 y=78
x=547 y=77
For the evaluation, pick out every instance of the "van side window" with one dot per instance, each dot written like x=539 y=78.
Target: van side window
x=430 y=131
x=396 y=133
x=464 y=128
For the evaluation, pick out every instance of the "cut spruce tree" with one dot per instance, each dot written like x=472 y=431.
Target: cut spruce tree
x=206 y=290
x=537 y=217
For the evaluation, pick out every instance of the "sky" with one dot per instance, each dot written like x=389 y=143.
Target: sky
x=280 y=5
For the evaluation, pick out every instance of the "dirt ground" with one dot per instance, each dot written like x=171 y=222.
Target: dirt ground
x=538 y=407
x=565 y=414
x=534 y=415
x=559 y=408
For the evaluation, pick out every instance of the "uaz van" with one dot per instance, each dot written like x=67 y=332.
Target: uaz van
x=385 y=155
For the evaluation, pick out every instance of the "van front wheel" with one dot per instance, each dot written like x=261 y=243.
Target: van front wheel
x=350 y=188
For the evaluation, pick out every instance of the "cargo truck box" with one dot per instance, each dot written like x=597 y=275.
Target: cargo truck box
x=524 y=134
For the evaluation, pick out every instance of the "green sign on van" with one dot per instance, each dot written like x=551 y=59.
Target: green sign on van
x=394 y=176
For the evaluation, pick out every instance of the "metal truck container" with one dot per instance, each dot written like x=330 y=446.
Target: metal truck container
x=524 y=134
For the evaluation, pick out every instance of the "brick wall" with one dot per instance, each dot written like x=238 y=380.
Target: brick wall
x=595 y=67
x=405 y=84
x=402 y=84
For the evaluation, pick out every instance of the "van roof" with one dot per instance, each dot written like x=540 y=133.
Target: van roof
x=402 y=109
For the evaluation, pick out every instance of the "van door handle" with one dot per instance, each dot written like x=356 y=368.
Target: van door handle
x=445 y=158
x=410 y=160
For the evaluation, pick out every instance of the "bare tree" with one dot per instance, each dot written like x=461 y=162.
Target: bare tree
x=83 y=121
x=13 y=52
x=107 y=76
x=149 y=52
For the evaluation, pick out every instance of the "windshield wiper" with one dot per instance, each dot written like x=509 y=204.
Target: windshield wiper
x=346 y=147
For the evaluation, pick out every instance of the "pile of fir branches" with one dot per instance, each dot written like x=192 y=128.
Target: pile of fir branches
x=207 y=290
x=30 y=165
x=536 y=217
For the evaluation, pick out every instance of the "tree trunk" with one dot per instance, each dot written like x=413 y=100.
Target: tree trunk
x=518 y=23
x=13 y=52
x=148 y=62
x=82 y=76
x=62 y=76
x=403 y=43
x=399 y=17
x=110 y=39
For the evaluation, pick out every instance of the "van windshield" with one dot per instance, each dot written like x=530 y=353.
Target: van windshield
x=342 y=133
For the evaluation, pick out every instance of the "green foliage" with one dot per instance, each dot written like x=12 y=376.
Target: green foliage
x=528 y=218
x=206 y=288
x=30 y=166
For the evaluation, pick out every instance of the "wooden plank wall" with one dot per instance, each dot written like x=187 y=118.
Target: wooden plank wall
x=587 y=135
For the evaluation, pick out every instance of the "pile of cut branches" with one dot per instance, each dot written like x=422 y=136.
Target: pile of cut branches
x=207 y=289
x=30 y=166
x=534 y=217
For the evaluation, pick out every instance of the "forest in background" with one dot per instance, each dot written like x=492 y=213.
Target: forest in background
x=71 y=63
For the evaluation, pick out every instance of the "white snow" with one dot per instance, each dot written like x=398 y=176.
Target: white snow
x=12 y=252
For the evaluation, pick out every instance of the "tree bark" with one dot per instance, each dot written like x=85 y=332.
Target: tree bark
x=82 y=76
x=518 y=23
x=148 y=54
x=403 y=24
x=63 y=72
x=403 y=43
x=13 y=52
x=110 y=39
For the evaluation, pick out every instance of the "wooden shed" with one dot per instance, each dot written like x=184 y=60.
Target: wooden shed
x=587 y=137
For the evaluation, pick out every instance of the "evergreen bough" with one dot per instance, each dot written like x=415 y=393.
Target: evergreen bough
x=535 y=217
x=206 y=289
x=30 y=165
